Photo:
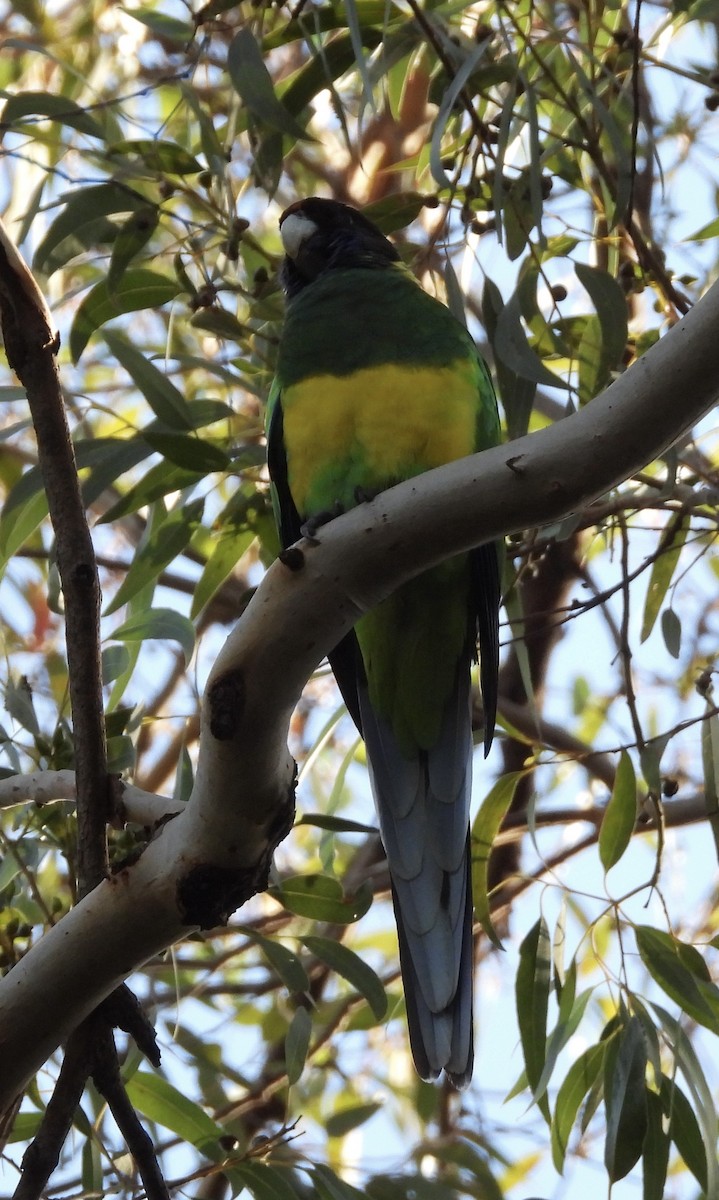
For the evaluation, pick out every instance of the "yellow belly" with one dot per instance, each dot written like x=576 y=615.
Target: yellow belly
x=375 y=427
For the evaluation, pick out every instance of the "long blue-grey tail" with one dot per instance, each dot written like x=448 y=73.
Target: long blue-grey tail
x=423 y=810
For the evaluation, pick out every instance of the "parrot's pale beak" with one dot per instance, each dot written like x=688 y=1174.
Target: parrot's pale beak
x=294 y=230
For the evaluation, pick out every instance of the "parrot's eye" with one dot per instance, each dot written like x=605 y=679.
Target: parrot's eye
x=295 y=229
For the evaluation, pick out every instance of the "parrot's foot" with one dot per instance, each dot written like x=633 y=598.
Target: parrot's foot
x=309 y=528
x=365 y=495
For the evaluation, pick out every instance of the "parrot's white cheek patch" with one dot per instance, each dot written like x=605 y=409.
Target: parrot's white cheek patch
x=294 y=230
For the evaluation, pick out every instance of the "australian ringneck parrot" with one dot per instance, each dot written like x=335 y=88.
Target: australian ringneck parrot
x=376 y=382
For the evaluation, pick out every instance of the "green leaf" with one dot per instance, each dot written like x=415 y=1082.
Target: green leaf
x=321 y=897
x=395 y=211
x=651 y=1038
x=532 y=995
x=161 y=479
x=163 y=26
x=484 y=830
x=665 y=562
x=567 y=1024
x=121 y=754
x=56 y=108
x=645 y=340
x=513 y=349
x=343 y=1122
x=683 y=976
x=370 y=13
x=205 y=411
x=19 y=522
x=335 y=824
x=671 y=631
x=18 y=700
x=710 y=764
x=159 y=624
x=164 y=543
x=136 y=608
x=610 y=305
x=138 y=289
x=459 y=1152
x=71 y=231
x=591 y=371
x=619 y=139
x=650 y=760
x=328 y=62
x=228 y=550
x=355 y=31
x=107 y=459
x=263 y=1181
x=330 y=1187
x=159 y=1101
x=580 y=1079
x=221 y=323
x=115 y=660
x=449 y=99
x=287 y=964
x=707 y=231
x=519 y=214
x=25 y=1125
x=132 y=236
x=684 y=1129
x=517 y=393
x=703 y=1106
x=352 y=968
x=625 y=1099
x=212 y=146
x=297 y=1043
x=620 y=815
x=253 y=84
x=166 y=157
x=564 y=982
x=10 y=868
x=188 y=452
x=655 y=1150
x=166 y=401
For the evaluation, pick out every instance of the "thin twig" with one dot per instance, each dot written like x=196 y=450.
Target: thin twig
x=636 y=52
x=108 y=1081
x=478 y=126
x=43 y=1153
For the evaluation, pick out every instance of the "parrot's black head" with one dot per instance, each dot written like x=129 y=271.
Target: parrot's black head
x=324 y=235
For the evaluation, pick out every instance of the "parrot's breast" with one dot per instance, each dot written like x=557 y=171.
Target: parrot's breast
x=374 y=427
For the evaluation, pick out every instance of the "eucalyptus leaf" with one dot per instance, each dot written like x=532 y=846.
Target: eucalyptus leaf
x=625 y=1099
x=56 y=108
x=253 y=83
x=297 y=1042
x=158 y=624
x=166 y=541
x=352 y=968
x=137 y=289
x=620 y=816
x=532 y=996
x=484 y=830
x=166 y=401
x=85 y=208
x=158 y=1100
x=322 y=898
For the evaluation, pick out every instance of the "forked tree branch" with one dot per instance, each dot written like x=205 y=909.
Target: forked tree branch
x=215 y=854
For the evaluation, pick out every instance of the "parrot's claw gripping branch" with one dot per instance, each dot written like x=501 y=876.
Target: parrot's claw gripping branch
x=310 y=527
